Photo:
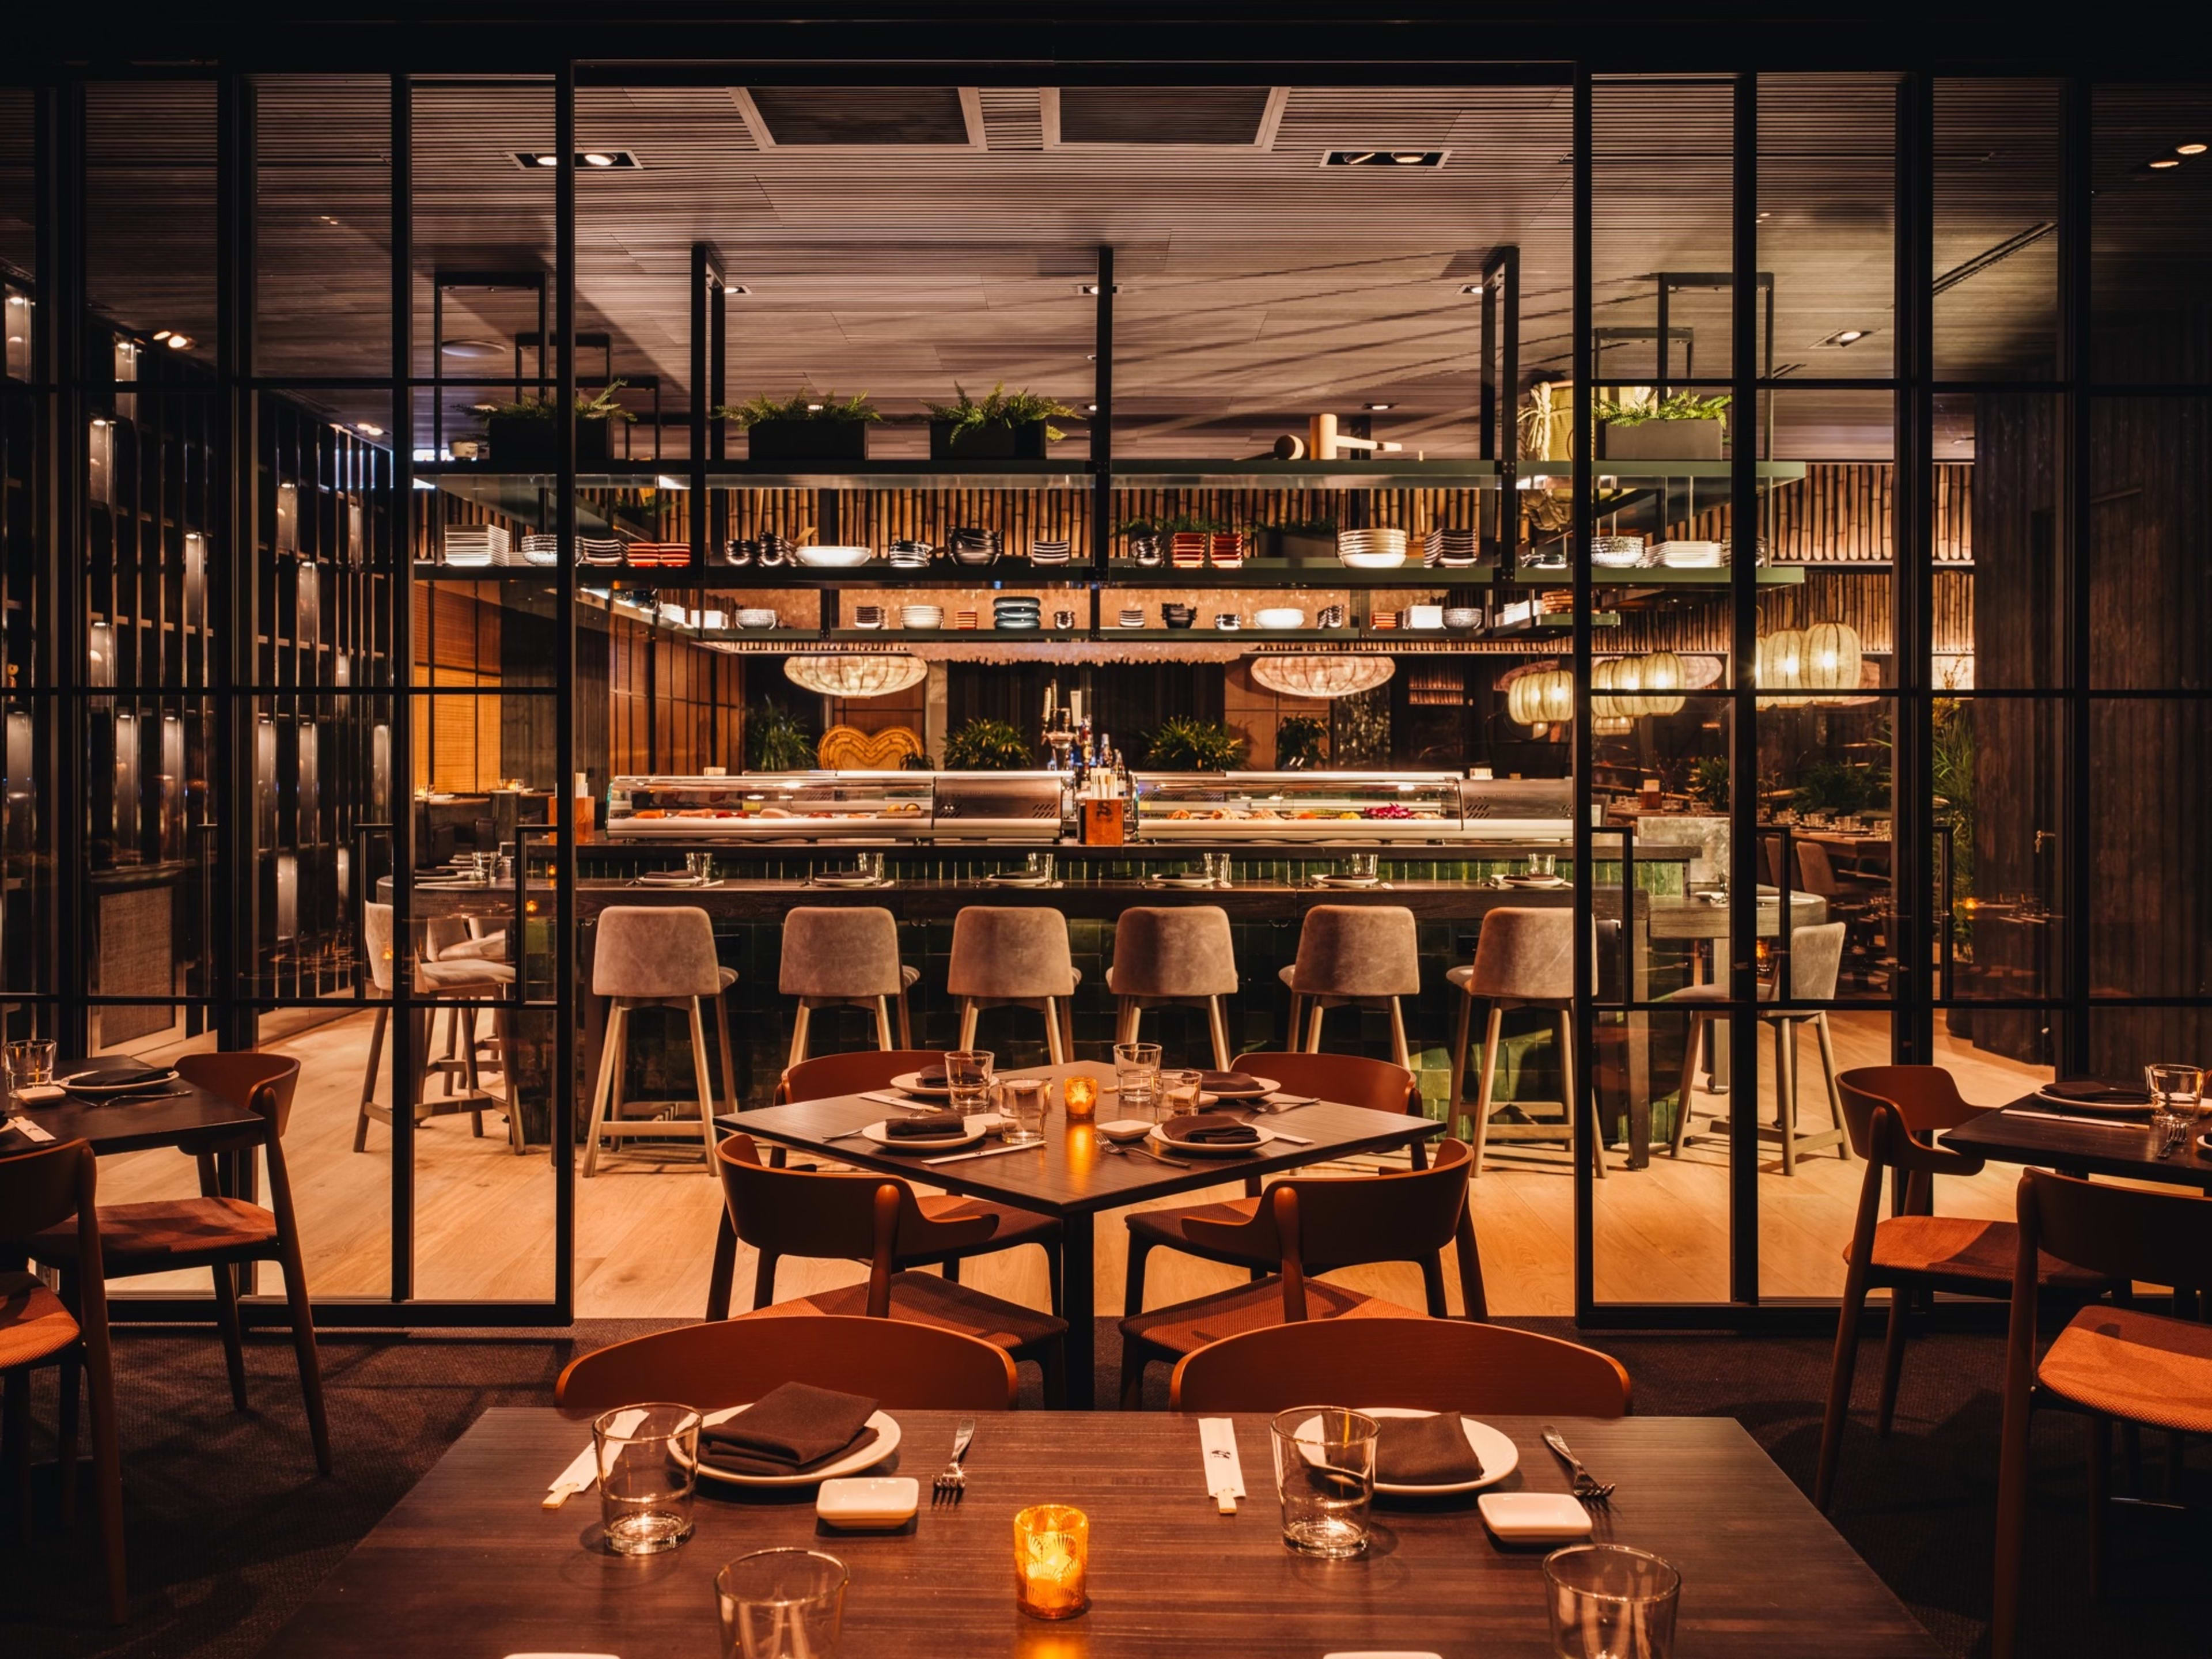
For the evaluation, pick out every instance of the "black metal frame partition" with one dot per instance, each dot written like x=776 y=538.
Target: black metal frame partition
x=60 y=392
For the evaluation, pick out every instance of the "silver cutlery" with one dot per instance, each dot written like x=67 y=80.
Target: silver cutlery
x=1587 y=1486
x=1135 y=1151
x=2172 y=1143
x=124 y=1099
x=951 y=1486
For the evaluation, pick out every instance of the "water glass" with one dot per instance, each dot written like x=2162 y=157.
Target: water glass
x=1042 y=865
x=2177 y=1095
x=699 y=866
x=1217 y=868
x=1544 y=863
x=871 y=866
x=31 y=1063
x=1609 y=1601
x=1137 y=1074
x=1325 y=1476
x=1023 y=1100
x=1178 y=1093
x=781 y=1604
x=648 y=1462
x=1365 y=865
x=968 y=1076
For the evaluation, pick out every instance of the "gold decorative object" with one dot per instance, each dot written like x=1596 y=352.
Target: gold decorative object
x=1052 y=1554
x=848 y=749
x=855 y=676
x=1079 y=1095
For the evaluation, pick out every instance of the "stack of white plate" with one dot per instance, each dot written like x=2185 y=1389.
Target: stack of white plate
x=867 y=616
x=1449 y=547
x=540 y=548
x=907 y=554
x=1616 y=552
x=599 y=550
x=1050 y=552
x=1690 y=556
x=1132 y=617
x=1370 y=550
x=753 y=618
x=922 y=616
x=472 y=546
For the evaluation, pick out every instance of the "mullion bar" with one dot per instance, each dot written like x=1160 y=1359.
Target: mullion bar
x=402 y=713
x=564 y=716
x=2074 y=472
x=237 y=890
x=1584 y=517
x=1912 y=1037
x=1743 y=842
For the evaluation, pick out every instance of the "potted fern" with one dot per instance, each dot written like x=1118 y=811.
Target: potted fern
x=1001 y=426
x=1301 y=743
x=986 y=745
x=1184 y=743
x=804 y=426
x=777 y=740
x=1641 y=426
x=523 y=438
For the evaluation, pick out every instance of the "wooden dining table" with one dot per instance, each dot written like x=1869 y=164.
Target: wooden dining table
x=1074 y=1177
x=469 y=1563
x=2034 y=1130
x=178 y=1111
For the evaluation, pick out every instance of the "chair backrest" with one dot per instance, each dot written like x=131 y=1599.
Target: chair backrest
x=1924 y=1099
x=1010 y=951
x=1431 y=1364
x=1527 y=953
x=1357 y=950
x=1816 y=871
x=1816 y=961
x=247 y=1078
x=376 y=943
x=832 y=951
x=1174 y=950
x=899 y=1365
x=827 y=1076
x=1348 y=1079
x=654 y=951
x=2158 y=1238
x=45 y=1187
x=838 y=1215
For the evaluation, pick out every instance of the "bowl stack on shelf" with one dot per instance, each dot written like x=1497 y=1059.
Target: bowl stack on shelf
x=922 y=616
x=1452 y=549
x=1186 y=549
x=1224 y=550
x=907 y=554
x=1616 y=552
x=599 y=550
x=1049 y=552
x=1370 y=550
x=820 y=556
x=867 y=616
x=971 y=544
x=1690 y=555
x=1133 y=615
x=659 y=555
x=540 y=547
x=1279 y=616
x=758 y=617
x=1013 y=610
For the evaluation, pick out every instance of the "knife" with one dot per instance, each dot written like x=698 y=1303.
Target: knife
x=991 y=1151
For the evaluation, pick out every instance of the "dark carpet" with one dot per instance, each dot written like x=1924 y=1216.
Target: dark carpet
x=230 y=1529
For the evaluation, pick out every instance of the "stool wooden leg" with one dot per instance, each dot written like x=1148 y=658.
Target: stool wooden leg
x=1297 y=1007
x=729 y=1062
x=368 y=1078
x=800 y=1017
x=905 y=1023
x=1575 y=1107
x=611 y=1060
x=1487 y=1088
x=1051 y=1044
x=1689 y=1079
x=1460 y=1032
x=1218 y=1020
x=883 y=1024
x=1399 y=1051
x=225 y=1319
x=1313 y=1027
x=1786 y=1096
x=702 y=1085
x=464 y=1019
x=970 y=1011
x=1126 y=1016
x=1828 y=1072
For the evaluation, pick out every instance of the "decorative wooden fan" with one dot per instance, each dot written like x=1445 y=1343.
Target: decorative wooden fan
x=848 y=749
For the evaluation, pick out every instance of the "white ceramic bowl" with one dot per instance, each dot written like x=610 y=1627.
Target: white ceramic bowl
x=922 y=616
x=1460 y=616
x=1371 y=561
x=835 y=558
x=757 y=618
x=1279 y=617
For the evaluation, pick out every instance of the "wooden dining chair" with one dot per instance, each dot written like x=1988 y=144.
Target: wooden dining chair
x=1346 y=1079
x=216 y=1231
x=854 y=1215
x=1431 y=1364
x=898 y=1365
x=1401 y=1216
x=55 y=1186
x=826 y=1078
x=2113 y=1364
x=1893 y=1113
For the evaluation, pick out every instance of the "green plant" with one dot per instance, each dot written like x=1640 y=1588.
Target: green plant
x=1174 y=521
x=917 y=764
x=1951 y=763
x=1184 y=742
x=799 y=406
x=777 y=740
x=1301 y=741
x=1708 y=783
x=986 y=745
x=598 y=406
x=1641 y=405
x=1000 y=407
x=1840 y=787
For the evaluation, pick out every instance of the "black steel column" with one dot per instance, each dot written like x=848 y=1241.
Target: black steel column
x=400 y=787
x=1742 y=978
x=1585 y=1011
x=234 y=580
x=706 y=296
x=1919 y=909
x=2074 y=486
x=564 y=716
x=1102 y=425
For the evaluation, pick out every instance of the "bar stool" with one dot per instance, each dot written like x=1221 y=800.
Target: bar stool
x=1816 y=960
x=463 y=978
x=1355 y=956
x=840 y=958
x=1524 y=957
x=1172 y=956
x=1014 y=957
x=649 y=957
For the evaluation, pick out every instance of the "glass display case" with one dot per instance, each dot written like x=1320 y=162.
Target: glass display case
x=1298 y=805
x=839 y=806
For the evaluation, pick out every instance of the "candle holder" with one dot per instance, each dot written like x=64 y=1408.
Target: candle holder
x=1052 y=1553
x=1079 y=1095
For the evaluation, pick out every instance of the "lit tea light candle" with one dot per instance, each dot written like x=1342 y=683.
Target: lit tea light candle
x=1079 y=1095
x=1052 y=1548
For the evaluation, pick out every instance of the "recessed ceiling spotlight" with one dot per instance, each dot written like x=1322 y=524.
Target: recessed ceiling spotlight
x=1090 y=408
x=1471 y=287
x=527 y=159
x=547 y=160
x=368 y=428
x=2188 y=149
x=1768 y=214
x=160 y=333
x=1383 y=158
x=1847 y=337
x=597 y=158
x=1380 y=407
x=467 y=347
x=484 y=408
x=814 y=408
x=735 y=287
x=180 y=342
x=2164 y=162
x=328 y=220
x=1093 y=288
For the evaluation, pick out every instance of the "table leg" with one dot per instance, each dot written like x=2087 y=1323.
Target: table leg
x=1077 y=1301
x=724 y=1267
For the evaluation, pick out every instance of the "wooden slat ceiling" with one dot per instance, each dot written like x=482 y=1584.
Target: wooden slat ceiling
x=1256 y=285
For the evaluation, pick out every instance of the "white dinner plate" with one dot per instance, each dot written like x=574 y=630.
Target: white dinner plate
x=1184 y=881
x=1005 y=880
x=910 y=1083
x=1537 y=881
x=1349 y=881
x=1498 y=1454
x=1263 y=1086
x=835 y=880
x=135 y=1086
x=1208 y=1149
x=889 y=1143
x=885 y=1443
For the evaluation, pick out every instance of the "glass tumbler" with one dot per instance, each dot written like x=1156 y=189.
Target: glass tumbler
x=1366 y=865
x=2177 y=1095
x=1137 y=1075
x=1179 y=1092
x=648 y=1462
x=699 y=866
x=1325 y=1476
x=1023 y=1099
x=30 y=1063
x=781 y=1604
x=968 y=1078
x=1042 y=865
x=1609 y=1601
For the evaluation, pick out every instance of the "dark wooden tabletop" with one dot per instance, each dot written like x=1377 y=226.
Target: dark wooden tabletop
x=2032 y=1130
x=125 y=1123
x=469 y=1564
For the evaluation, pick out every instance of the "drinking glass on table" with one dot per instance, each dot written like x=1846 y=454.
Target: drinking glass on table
x=1023 y=1100
x=30 y=1062
x=1040 y=866
x=967 y=1080
x=781 y=1604
x=1609 y=1601
x=2177 y=1095
x=699 y=866
x=648 y=1463
x=1178 y=1093
x=1324 y=1477
x=1137 y=1075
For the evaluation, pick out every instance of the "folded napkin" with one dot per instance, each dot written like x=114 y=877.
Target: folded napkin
x=1235 y=1083
x=929 y=1126
x=1210 y=1130
x=1423 y=1451
x=116 y=1074
x=791 y=1430
x=932 y=1080
x=2088 y=1092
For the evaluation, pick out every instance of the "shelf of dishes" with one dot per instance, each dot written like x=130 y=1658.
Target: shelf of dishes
x=1350 y=806
x=1011 y=613
x=1386 y=471
x=837 y=806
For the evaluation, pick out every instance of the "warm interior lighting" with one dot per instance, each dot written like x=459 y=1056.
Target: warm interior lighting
x=547 y=160
x=180 y=342
x=1344 y=676
x=1831 y=658
x=1546 y=697
x=2188 y=149
x=855 y=676
x=160 y=333
x=1847 y=337
x=369 y=428
x=1778 y=666
x=1378 y=408
x=598 y=159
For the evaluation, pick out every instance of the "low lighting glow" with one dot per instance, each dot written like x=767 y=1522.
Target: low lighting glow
x=549 y=160
x=180 y=342
x=2188 y=149
x=598 y=159
x=2164 y=162
x=369 y=428
x=1378 y=408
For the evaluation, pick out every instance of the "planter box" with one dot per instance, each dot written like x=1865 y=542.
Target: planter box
x=1664 y=441
x=991 y=441
x=521 y=445
x=808 y=441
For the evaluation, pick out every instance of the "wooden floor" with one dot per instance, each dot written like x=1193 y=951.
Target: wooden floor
x=644 y=1224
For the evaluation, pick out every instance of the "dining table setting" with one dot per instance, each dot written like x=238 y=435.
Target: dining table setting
x=2089 y=1125
x=115 y=1103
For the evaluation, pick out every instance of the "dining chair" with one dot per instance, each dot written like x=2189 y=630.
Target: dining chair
x=50 y=1187
x=451 y=968
x=1893 y=1113
x=216 y=1231
x=854 y=1215
x=2113 y=1364
x=837 y=957
x=827 y=1076
x=1401 y=1216
x=1431 y=1365
x=898 y=1365
x=1346 y=1079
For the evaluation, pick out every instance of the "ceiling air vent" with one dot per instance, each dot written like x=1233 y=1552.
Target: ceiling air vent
x=1242 y=117
x=790 y=117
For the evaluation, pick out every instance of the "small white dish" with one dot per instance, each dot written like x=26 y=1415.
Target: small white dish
x=136 y=1085
x=1425 y=616
x=1497 y=1454
x=1534 y=1517
x=876 y=1503
x=885 y=1443
x=1123 y=1130
x=1372 y=561
x=835 y=558
x=1279 y=616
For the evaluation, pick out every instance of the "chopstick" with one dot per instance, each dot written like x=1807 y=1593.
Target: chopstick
x=989 y=1152
x=2069 y=1117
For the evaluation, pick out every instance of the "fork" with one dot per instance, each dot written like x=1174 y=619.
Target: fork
x=1588 y=1487
x=1144 y=1151
x=952 y=1484
x=2175 y=1135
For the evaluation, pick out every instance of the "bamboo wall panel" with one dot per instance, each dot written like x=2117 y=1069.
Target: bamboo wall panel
x=1842 y=512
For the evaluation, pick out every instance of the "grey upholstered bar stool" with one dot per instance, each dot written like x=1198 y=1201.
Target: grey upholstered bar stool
x=1173 y=956
x=473 y=979
x=1014 y=957
x=648 y=956
x=1816 y=960
x=1524 y=957
x=835 y=957
x=1355 y=956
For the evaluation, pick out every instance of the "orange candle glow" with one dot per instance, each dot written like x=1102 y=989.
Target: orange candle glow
x=1080 y=1097
x=1052 y=1548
